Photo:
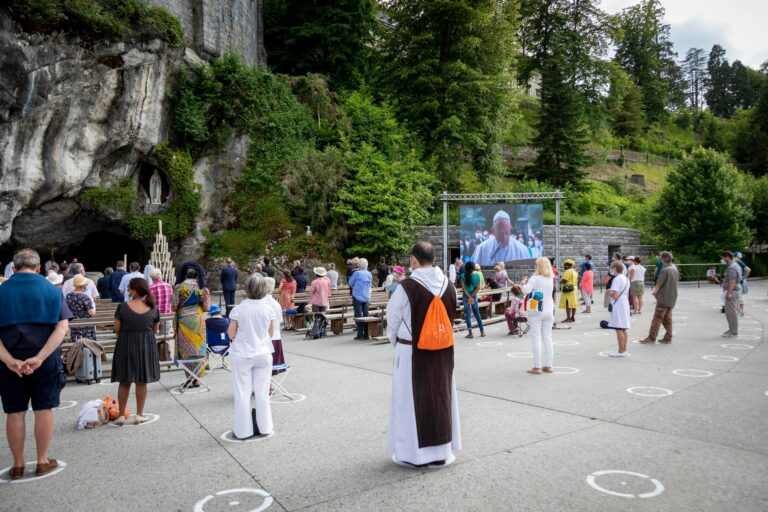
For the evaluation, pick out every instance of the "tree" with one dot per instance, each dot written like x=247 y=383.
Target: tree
x=718 y=96
x=751 y=140
x=330 y=38
x=704 y=208
x=448 y=64
x=695 y=70
x=760 y=209
x=563 y=40
x=645 y=52
x=625 y=104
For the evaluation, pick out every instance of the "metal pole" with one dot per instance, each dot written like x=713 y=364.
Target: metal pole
x=557 y=230
x=445 y=231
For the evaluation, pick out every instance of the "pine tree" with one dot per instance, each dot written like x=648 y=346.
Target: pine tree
x=694 y=67
x=718 y=95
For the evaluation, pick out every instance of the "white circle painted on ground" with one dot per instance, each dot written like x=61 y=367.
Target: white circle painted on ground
x=189 y=391
x=649 y=391
x=63 y=404
x=688 y=372
x=564 y=370
x=229 y=437
x=680 y=324
x=129 y=422
x=752 y=322
x=565 y=342
x=737 y=346
x=682 y=317
x=597 y=333
x=592 y=481
x=608 y=354
x=106 y=383
x=520 y=355
x=450 y=460
x=489 y=343
x=282 y=399
x=749 y=337
x=720 y=359
x=5 y=476
x=200 y=505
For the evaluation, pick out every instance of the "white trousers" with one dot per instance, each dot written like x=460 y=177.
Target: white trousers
x=587 y=299
x=250 y=377
x=541 y=335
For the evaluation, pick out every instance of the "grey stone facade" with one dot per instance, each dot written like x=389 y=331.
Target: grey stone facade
x=575 y=241
x=212 y=27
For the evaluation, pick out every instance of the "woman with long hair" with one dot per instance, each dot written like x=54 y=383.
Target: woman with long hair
x=135 y=360
x=470 y=285
x=539 y=307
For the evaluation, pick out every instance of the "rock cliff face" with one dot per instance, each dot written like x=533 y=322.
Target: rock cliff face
x=72 y=118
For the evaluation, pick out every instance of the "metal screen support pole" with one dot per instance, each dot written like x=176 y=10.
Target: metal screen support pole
x=445 y=233
x=557 y=230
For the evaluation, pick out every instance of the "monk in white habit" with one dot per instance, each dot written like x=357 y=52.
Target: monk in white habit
x=424 y=414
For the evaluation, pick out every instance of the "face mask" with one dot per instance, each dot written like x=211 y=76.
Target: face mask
x=611 y=273
x=723 y=261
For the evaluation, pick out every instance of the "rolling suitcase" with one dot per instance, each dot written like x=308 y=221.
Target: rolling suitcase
x=90 y=371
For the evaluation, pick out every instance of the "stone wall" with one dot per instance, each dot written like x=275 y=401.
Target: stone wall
x=575 y=241
x=214 y=26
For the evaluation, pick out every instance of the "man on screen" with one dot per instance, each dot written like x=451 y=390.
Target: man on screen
x=501 y=246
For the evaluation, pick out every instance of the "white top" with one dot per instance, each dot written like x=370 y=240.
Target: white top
x=638 y=273
x=334 y=278
x=452 y=272
x=253 y=318
x=491 y=252
x=69 y=286
x=9 y=270
x=399 y=307
x=620 y=312
x=277 y=316
x=127 y=279
x=544 y=285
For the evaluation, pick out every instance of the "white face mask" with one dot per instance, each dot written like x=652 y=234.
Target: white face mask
x=723 y=261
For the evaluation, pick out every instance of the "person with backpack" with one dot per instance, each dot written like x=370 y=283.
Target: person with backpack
x=424 y=413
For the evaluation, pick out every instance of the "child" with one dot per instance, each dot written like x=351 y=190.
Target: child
x=512 y=314
x=586 y=286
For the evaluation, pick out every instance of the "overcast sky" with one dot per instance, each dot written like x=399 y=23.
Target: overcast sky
x=739 y=26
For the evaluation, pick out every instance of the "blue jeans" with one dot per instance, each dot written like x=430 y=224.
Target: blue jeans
x=469 y=310
x=361 y=309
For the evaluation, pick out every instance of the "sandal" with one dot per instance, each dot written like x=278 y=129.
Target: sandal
x=47 y=467
x=17 y=472
x=535 y=371
x=547 y=369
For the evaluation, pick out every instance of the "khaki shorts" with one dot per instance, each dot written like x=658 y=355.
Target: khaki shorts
x=636 y=288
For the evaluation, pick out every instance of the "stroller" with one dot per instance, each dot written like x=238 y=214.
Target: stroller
x=318 y=327
x=517 y=323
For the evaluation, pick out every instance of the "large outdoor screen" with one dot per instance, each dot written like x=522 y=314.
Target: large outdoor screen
x=509 y=233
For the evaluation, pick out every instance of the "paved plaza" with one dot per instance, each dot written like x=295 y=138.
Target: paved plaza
x=671 y=428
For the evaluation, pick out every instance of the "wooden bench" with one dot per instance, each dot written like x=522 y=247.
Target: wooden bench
x=375 y=324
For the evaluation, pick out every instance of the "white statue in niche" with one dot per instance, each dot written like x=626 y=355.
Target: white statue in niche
x=155 y=188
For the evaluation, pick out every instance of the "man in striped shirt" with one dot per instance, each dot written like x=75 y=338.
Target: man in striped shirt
x=161 y=291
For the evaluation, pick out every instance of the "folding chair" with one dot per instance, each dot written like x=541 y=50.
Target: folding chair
x=218 y=349
x=278 y=383
x=198 y=365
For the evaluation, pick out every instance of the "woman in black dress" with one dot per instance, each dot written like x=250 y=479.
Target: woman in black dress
x=135 y=360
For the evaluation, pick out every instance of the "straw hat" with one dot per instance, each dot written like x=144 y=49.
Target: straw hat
x=54 y=278
x=79 y=280
x=319 y=271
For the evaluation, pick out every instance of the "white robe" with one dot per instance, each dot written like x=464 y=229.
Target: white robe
x=491 y=252
x=402 y=439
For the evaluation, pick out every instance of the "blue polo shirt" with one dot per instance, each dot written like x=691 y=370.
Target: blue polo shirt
x=360 y=282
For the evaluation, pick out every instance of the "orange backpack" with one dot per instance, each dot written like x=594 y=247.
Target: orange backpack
x=437 y=329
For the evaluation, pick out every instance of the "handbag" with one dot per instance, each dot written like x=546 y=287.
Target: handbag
x=567 y=288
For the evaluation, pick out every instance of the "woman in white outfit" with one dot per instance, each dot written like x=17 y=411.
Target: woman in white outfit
x=540 y=314
x=250 y=329
x=619 y=301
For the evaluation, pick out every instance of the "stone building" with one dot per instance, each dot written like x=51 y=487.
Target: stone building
x=214 y=26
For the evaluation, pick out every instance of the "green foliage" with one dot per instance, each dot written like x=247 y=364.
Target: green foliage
x=448 y=66
x=240 y=245
x=117 y=198
x=563 y=43
x=759 y=224
x=330 y=38
x=625 y=106
x=382 y=202
x=180 y=217
x=750 y=148
x=704 y=208
x=98 y=20
x=645 y=52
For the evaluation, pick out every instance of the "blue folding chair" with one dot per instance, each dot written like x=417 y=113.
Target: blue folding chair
x=278 y=384
x=217 y=339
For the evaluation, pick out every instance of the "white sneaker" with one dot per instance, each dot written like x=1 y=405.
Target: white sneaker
x=729 y=334
x=618 y=354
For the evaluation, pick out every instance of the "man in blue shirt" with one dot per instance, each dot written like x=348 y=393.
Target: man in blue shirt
x=33 y=322
x=229 y=283
x=360 y=282
x=114 y=282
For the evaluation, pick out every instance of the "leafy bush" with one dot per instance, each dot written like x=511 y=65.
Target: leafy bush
x=117 y=198
x=98 y=20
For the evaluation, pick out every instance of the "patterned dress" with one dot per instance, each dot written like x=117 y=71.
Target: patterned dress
x=79 y=304
x=190 y=322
